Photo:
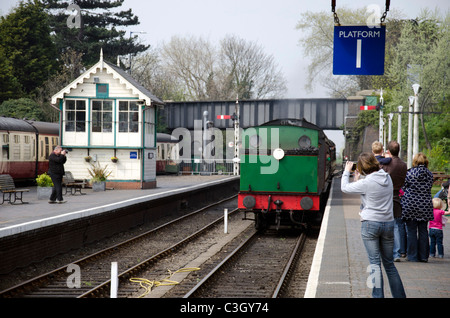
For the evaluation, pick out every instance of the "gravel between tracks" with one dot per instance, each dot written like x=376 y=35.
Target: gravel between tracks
x=194 y=255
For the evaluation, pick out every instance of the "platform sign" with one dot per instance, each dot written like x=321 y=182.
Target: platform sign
x=359 y=50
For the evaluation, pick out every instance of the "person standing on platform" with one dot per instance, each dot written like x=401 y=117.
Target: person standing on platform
x=435 y=227
x=417 y=208
x=377 y=150
x=377 y=220
x=444 y=194
x=397 y=170
x=56 y=162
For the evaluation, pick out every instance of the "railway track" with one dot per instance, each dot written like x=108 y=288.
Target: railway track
x=132 y=256
x=259 y=267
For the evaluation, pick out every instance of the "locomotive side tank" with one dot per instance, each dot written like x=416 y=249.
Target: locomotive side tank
x=286 y=169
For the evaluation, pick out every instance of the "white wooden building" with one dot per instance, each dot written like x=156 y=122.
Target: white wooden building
x=105 y=113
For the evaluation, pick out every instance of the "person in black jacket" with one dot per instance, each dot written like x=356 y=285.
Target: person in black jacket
x=56 y=171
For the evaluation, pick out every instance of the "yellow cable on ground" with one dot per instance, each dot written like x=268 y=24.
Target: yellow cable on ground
x=149 y=284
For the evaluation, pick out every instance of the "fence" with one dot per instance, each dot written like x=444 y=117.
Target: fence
x=206 y=166
x=199 y=166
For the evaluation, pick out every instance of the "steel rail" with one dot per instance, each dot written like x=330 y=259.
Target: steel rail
x=223 y=263
x=42 y=279
x=290 y=265
x=105 y=286
x=296 y=251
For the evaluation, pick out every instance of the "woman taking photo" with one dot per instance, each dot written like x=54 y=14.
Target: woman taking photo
x=417 y=208
x=377 y=220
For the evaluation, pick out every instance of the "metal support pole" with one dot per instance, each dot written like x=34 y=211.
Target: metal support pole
x=114 y=280
x=399 y=131
x=131 y=35
x=225 y=221
x=410 y=131
x=205 y=139
x=416 y=88
x=381 y=122
x=236 y=140
x=390 y=116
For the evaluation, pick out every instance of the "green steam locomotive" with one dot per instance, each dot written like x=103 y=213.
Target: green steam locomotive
x=286 y=168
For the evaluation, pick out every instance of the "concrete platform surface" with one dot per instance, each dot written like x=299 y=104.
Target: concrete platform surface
x=340 y=264
x=15 y=218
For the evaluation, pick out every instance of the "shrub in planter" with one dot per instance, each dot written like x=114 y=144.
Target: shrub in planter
x=99 y=175
x=44 y=186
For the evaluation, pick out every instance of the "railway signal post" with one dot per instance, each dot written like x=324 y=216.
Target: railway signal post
x=235 y=118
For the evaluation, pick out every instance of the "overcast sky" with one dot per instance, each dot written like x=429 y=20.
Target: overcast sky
x=270 y=23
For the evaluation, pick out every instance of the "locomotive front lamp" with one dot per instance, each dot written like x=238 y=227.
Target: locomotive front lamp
x=304 y=141
x=278 y=153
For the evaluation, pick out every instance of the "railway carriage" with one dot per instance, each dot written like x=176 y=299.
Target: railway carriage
x=167 y=154
x=25 y=147
x=286 y=169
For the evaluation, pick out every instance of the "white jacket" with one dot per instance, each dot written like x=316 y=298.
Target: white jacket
x=376 y=195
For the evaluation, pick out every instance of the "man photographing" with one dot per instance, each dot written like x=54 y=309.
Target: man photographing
x=56 y=171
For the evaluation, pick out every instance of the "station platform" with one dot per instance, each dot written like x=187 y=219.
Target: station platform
x=339 y=268
x=17 y=218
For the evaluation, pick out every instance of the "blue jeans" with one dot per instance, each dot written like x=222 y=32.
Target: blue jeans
x=378 y=239
x=436 y=238
x=399 y=237
x=418 y=246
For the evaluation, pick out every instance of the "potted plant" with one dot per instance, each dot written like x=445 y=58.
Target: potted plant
x=114 y=159
x=87 y=158
x=99 y=175
x=44 y=186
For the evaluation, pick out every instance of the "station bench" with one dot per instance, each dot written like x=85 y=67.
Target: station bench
x=75 y=186
x=8 y=189
x=439 y=177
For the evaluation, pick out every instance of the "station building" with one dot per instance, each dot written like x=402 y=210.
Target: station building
x=106 y=115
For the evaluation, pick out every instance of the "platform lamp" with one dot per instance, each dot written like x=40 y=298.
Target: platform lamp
x=131 y=34
x=417 y=89
x=410 y=130
x=399 y=130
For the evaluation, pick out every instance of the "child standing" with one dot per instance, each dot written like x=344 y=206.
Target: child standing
x=435 y=229
x=377 y=150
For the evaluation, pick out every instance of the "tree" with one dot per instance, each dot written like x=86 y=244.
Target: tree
x=10 y=87
x=22 y=108
x=191 y=60
x=25 y=42
x=249 y=72
x=148 y=68
x=70 y=68
x=95 y=28
x=236 y=68
x=318 y=45
x=422 y=56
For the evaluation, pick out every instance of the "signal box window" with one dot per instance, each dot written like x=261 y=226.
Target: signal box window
x=102 y=116
x=102 y=90
x=76 y=115
x=128 y=116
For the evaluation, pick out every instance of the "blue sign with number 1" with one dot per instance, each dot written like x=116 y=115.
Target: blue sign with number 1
x=359 y=50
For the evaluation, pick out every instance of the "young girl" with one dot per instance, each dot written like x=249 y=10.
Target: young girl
x=435 y=229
